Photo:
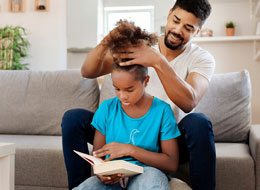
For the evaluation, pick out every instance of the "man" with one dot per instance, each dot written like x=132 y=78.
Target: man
x=180 y=74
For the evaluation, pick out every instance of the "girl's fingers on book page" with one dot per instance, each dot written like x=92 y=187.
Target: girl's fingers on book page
x=100 y=152
x=114 y=150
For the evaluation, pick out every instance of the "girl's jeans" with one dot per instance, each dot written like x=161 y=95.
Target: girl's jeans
x=152 y=179
x=196 y=145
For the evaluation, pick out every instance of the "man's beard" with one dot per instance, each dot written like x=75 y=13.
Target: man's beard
x=171 y=46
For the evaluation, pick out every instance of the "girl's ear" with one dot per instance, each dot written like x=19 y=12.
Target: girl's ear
x=146 y=80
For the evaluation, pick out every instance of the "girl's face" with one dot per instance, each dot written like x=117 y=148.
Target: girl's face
x=129 y=90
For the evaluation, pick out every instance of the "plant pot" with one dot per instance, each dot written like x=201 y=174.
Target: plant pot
x=230 y=31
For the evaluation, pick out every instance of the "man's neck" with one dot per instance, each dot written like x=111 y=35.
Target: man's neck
x=168 y=53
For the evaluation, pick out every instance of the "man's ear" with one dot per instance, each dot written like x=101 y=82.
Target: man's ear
x=197 y=32
x=146 y=80
x=170 y=12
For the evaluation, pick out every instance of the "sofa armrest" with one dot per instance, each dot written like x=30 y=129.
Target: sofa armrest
x=254 y=145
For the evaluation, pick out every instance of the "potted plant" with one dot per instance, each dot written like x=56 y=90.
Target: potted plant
x=13 y=48
x=230 y=29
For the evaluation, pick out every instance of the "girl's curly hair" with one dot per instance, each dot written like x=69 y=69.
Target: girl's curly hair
x=127 y=34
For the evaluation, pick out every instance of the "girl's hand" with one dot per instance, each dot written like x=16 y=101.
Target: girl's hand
x=115 y=150
x=110 y=179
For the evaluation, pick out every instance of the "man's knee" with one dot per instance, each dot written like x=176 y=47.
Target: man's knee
x=197 y=128
x=196 y=125
x=74 y=118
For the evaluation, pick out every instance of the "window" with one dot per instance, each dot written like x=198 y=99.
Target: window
x=142 y=16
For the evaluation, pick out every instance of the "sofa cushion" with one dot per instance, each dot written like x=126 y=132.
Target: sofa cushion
x=234 y=167
x=177 y=184
x=33 y=102
x=38 y=160
x=228 y=105
x=107 y=90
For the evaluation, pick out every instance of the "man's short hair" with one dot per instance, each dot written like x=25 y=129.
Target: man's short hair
x=200 y=8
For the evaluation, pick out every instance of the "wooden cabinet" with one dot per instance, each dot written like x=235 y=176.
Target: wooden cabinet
x=16 y=6
x=42 y=5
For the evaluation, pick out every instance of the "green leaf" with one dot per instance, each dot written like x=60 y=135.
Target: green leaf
x=13 y=40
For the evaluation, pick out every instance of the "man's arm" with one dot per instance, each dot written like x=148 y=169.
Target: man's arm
x=186 y=94
x=98 y=61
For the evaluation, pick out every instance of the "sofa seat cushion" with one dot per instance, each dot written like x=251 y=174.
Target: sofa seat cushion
x=38 y=160
x=177 y=184
x=235 y=167
x=234 y=170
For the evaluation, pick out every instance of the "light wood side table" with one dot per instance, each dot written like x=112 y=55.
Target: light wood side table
x=7 y=155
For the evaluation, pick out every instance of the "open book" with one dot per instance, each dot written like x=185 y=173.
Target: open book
x=100 y=167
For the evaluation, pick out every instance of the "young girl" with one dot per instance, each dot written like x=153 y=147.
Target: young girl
x=134 y=126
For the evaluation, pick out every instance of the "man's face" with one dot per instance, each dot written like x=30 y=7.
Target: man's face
x=181 y=27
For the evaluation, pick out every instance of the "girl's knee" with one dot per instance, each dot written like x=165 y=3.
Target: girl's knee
x=152 y=178
x=91 y=183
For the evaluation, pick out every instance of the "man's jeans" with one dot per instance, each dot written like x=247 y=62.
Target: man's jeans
x=152 y=179
x=196 y=145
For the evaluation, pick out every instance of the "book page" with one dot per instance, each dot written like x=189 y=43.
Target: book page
x=90 y=159
x=101 y=167
x=118 y=166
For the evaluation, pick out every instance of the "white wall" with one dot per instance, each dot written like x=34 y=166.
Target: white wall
x=83 y=30
x=237 y=11
x=47 y=33
x=82 y=23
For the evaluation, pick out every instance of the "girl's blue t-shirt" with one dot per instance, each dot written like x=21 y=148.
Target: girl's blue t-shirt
x=146 y=132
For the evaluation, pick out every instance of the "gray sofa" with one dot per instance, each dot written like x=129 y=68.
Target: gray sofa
x=33 y=102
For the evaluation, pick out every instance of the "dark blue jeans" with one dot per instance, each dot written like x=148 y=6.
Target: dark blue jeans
x=196 y=145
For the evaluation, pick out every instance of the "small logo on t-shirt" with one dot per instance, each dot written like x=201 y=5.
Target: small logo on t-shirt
x=132 y=134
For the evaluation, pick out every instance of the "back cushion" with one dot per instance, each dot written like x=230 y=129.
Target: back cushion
x=33 y=102
x=228 y=105
x=107 y=89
